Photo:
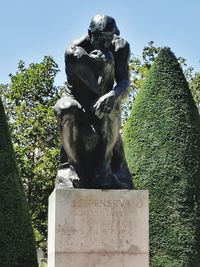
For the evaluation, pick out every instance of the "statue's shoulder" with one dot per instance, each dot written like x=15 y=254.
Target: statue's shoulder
x=81 y=42
x=120 y=44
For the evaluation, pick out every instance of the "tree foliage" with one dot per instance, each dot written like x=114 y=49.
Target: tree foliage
x=195 y=88
x=30 y=98
x=139 y=69
x=162 y=143
x=17 y=245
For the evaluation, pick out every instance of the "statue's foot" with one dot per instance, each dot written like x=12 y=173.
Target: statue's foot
x=67 y=178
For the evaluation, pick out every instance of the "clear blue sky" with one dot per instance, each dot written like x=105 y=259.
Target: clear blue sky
x=31 y=29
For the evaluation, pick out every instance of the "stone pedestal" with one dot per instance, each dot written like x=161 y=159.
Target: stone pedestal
x=98 y=228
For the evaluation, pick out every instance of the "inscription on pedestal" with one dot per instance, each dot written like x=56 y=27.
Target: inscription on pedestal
x=108 y=222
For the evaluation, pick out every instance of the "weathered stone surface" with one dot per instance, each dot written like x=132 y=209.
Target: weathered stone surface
x=98 y=228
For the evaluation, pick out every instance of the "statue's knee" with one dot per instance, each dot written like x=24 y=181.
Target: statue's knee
x=66 y=105
x=74 y=54
x=68 y=116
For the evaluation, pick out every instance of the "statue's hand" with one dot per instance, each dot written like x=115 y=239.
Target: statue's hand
x=105 y=104
x=97 y=54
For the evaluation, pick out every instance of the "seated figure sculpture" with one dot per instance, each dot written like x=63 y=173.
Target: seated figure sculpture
x=89 y=111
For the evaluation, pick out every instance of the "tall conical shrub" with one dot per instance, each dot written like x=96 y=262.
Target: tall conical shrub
x=162 y=143
x=17 y=247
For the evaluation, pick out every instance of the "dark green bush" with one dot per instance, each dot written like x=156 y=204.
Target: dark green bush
x=162 y=143
x=17 y=246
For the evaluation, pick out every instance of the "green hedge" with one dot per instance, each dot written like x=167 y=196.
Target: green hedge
x=162 y=144
x=17 y=245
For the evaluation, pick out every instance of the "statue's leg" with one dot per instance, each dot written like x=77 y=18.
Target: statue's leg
x=71 y=138
x=119 y=165
x=108 y=133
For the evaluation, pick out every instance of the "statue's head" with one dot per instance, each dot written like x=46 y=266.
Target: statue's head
x=101 y=31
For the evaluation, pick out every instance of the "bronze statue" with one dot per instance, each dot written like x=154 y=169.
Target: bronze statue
x=89 y=112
